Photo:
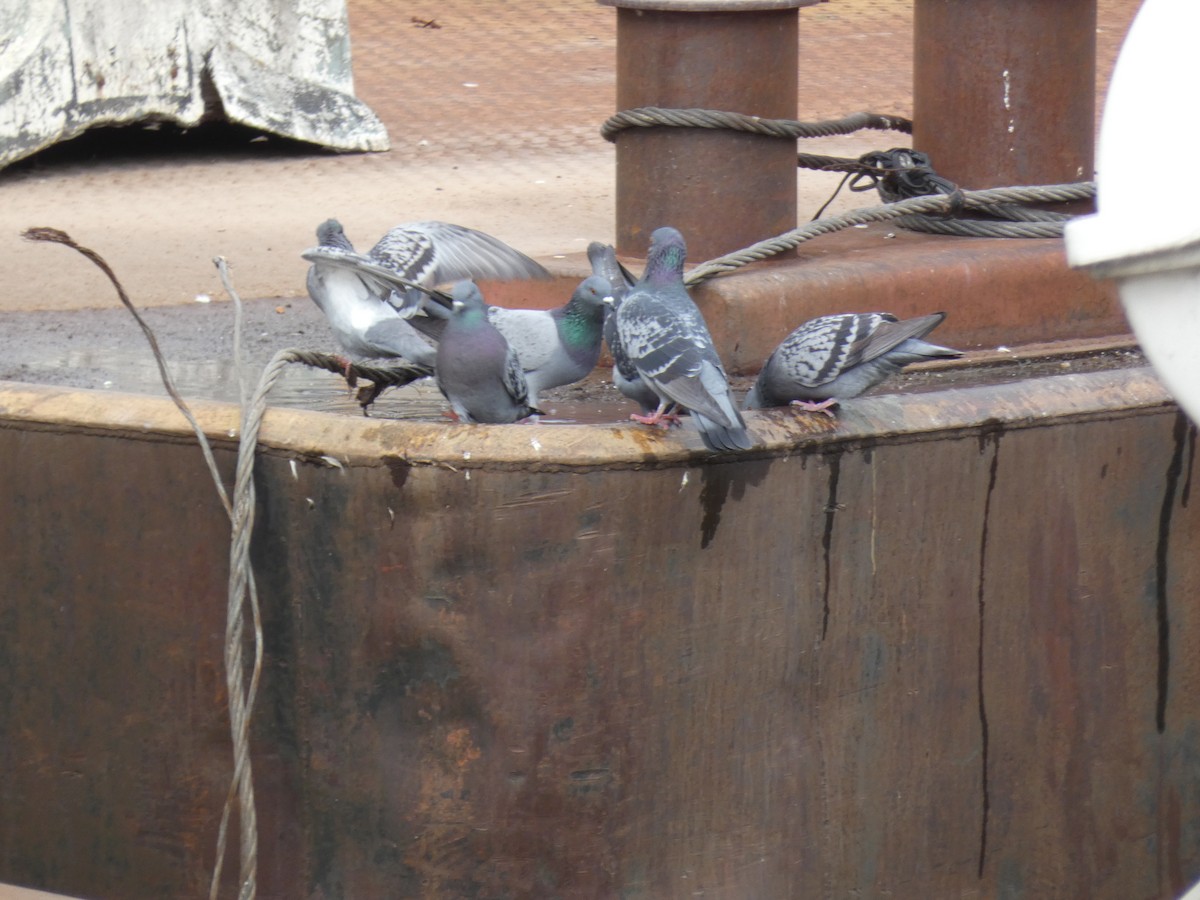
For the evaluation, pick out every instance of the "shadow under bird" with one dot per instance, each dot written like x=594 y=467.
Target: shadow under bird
x=367 y=297
x=668 y=343
x=556 y=347
x=838 y=357
x=477 y=371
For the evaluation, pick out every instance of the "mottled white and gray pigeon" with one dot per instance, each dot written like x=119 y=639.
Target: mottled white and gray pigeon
x=834 y=358
x=433 y=253
x=603 y=258
x=363 y=323
x=427 y=254
x=555 y=346
x=477 y=371
x=668 y=343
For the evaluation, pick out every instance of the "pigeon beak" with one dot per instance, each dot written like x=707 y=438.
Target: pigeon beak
x=609 y=301
x=457 y=305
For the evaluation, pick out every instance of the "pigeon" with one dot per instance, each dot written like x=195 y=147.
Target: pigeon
x=364 y=324
x=668 y=343
x=556 y=346
x=834 y=358
x=433 y=253
x=426 y=254
x=477 y=370
x=603 y=258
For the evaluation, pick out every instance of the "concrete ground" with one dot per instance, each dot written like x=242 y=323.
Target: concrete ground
x=493 y=111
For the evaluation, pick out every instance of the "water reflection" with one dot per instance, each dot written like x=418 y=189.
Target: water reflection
x=301 y=387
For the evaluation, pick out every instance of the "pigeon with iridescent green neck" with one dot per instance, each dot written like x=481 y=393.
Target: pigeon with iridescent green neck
x=557 y=346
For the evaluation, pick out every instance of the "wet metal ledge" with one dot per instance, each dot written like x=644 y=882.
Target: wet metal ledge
x=356 y=440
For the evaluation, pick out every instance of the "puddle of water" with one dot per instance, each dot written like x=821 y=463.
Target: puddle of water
x=302 y=387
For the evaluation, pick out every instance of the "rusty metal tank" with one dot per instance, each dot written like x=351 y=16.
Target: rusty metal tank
x=937 y=646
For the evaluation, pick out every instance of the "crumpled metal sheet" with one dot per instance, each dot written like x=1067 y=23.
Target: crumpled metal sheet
x=279 y=65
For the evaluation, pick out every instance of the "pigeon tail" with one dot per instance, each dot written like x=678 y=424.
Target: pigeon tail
x=718 y=437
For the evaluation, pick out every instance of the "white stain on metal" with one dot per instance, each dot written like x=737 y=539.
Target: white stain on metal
x=1012 y=122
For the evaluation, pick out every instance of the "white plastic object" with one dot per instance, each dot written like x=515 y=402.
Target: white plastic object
x=1145 y=237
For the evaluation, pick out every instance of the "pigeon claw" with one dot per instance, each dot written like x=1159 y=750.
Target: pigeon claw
x=658 y=417
x=825 y=406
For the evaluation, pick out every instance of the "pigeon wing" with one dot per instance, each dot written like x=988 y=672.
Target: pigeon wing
x=432 y=253
x=514 y=379
x=668 y=343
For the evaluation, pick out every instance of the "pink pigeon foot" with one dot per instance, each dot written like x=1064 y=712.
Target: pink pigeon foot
x=658 y=417
x=822 y=407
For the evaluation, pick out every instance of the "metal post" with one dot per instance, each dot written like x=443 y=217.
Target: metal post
x=724 y=190
x=1004 y=91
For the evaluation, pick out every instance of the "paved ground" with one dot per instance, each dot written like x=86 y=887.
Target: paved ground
x=493 y=116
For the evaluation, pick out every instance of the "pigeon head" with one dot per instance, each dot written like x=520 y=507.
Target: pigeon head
x=665 y=258
x=467 y=301
x=582 y=319
x=591 y=296
x=330 y=234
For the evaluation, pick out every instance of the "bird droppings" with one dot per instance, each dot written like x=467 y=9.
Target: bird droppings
x=203 y=298
x=295 y=470
x=332 y=461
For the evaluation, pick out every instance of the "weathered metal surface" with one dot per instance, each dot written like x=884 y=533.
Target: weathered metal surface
x=682 y=176
x=1004 y=92
x=935 y=648
x=279 y=65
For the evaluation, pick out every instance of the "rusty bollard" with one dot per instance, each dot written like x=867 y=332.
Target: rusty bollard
x=723 y=189
x=1004 y=93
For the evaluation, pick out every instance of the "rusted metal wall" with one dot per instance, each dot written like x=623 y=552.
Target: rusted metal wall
x=938 y=649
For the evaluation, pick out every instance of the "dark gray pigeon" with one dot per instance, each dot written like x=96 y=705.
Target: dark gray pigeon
x=364 y=324
x=603 y=258
x=834 y=358
x=667 y=341
x=477 y=371
x=555 y=346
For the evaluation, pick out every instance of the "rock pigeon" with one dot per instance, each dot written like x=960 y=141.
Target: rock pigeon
x=837 y=357
x=555 y=346
x=433 y=253
x=603 y=258
x=363 y=323
x=668 y=343
x=477 y=371
x=425 y=254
